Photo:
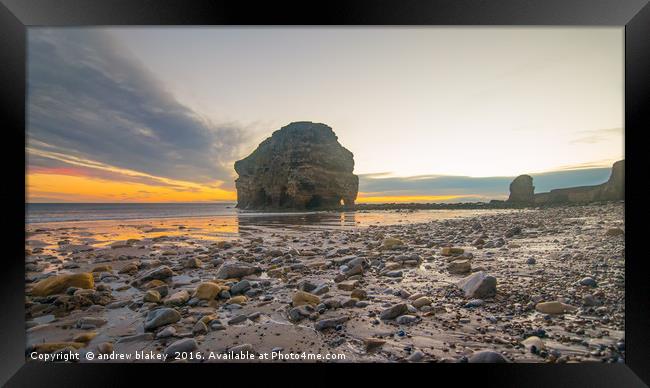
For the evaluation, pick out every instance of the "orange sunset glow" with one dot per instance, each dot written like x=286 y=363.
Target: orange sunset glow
x=63 y=186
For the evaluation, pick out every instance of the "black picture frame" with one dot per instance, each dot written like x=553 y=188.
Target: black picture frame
x=17 y=15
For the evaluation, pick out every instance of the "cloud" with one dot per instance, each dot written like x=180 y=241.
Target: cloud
x=88 y=99
x=597 y=135
x=484 y=187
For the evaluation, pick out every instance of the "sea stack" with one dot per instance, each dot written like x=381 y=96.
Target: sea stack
x=302 y=166
x=522 y=189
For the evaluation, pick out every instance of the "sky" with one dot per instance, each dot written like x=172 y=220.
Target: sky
x=430 y=113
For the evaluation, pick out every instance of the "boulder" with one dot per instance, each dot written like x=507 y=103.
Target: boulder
x=151 y=296
x=487 y=356
x=236 y=270
x=451 y=251
x=161 y=317
x=459 y=267
x=478 y=285
x=329 y=322
x=60 y=283
x=178 y=299
x=533 y=343
x=302 y=298
x=207 y=291
x=182 y=345
x=391 y=243
x=160 y=273
x=422 y=301
x=348 y=285
x=394 y=311
x=301 y=166
x=553 y=307
x=239 y=299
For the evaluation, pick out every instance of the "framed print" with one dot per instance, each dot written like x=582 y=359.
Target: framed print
x=381 y=188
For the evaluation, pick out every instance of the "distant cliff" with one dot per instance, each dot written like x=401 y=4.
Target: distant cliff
x=301 y=166
x=522 y=190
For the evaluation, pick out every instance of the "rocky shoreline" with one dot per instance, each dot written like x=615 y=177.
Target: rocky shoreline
x=535 y=285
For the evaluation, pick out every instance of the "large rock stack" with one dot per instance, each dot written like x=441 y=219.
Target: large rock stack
x=522 y=189
x=301 y=166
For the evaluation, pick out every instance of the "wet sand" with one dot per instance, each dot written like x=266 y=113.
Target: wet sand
x=396 y=258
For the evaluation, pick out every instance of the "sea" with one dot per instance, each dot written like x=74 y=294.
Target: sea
x=65 y=212
x=39 y=213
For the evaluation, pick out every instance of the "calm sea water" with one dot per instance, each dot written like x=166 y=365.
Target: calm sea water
x=38 y=213
x=59 y=212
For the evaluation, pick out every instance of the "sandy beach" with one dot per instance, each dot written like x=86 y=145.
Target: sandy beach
x=530 y=285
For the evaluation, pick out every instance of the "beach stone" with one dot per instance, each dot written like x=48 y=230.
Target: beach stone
x=332 y=303
x=391 y=243
x=151 y=296
x=307 y=286
x=356 y=270
x=394 y=274
x=159 y=273
x=475 y=303
x=329 y=323
x=487 y=356
x=301 y=298
x=553 y=307
x=459 y=267
x=153 y=284
x=85 y=337
x=102 y=268
x=200 y=328
x=588 y=281
x=406 y=319
x=239 y=299
x=207 y=291
x=530 y=260
x=161 y=317
x=415 y=356
x=478 y=285
x=178 y=299
x=358 y=294
x=182 y=345
x=240 y=287
x=533 y=343
x=451 y=251
x=58 y=284
x=236 y=270
x=373 y=343
x=193 y=262
x=105 y=348
x=348 y=285
x=167 y=332
x=614 y=232
x=349 y=302
x=423 y=301
x=299 y=313
x=130 y=268
x=237 y=319
x=394 y=311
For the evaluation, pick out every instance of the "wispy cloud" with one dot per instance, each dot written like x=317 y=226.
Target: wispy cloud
x=597 y=135
x=89 y=100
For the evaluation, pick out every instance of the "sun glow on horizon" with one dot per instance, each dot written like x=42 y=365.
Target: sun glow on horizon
x=57 y=187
